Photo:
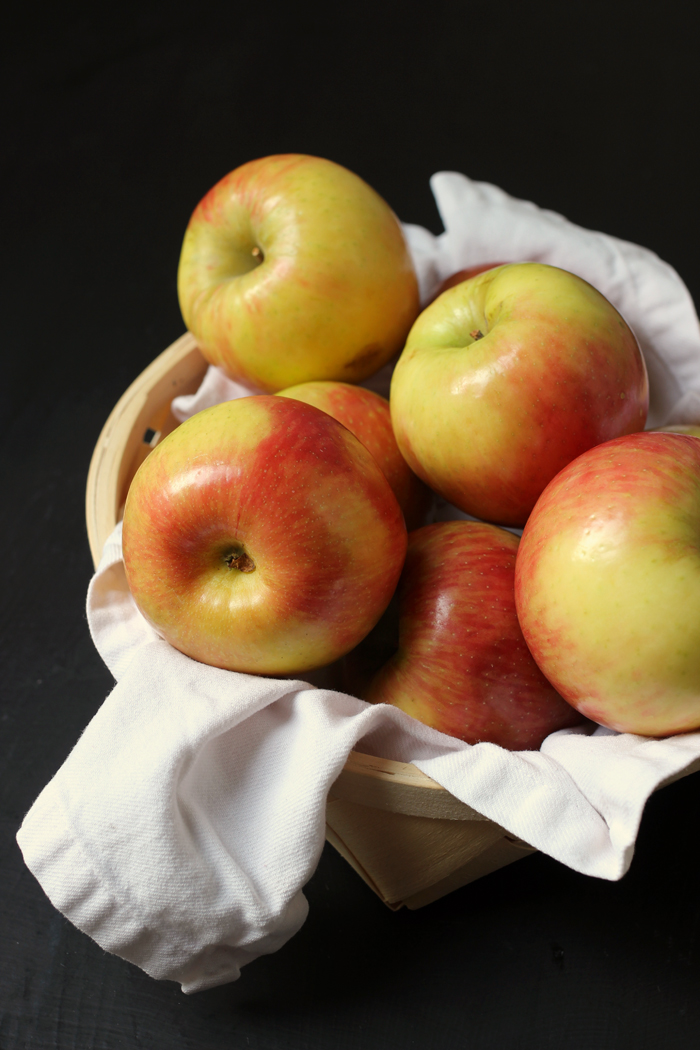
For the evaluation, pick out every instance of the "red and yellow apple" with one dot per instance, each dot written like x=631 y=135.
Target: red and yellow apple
x=367 y=416
x=505 y=379
x=293 y=269
x=608 y=583
x=462 y=665
x=262 y=536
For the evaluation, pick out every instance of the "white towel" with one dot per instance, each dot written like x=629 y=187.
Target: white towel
x=182 y=827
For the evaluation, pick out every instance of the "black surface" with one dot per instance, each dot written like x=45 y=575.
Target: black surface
x=114 y=125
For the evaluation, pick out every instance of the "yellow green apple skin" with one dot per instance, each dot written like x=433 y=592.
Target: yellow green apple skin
x=464 y=275
x=680 y=428
x=462 y=665
x=608 y=583
x=261 y=536
x=505 y=379
x=293 y=269
x=367 y=416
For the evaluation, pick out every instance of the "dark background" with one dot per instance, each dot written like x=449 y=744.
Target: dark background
x=114 y=124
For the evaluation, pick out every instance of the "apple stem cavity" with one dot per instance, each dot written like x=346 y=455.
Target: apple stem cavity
x=240 y=560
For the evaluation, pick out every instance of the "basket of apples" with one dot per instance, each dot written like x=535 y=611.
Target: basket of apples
x=318 y=604
x=267 y=534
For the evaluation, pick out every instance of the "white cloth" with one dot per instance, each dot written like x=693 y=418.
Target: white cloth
x=183 y=826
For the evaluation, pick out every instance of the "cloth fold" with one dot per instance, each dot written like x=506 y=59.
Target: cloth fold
x=183 y=826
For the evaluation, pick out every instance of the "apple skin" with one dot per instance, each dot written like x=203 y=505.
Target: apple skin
x=368 y=417
x=488 y=419
x=462 y=665
x=679 y=428
x=464 y=275
x=314 y=534
x=293 y=269
x=608 y=583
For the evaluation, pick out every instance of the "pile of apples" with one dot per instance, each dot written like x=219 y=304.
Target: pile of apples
x=269 y=535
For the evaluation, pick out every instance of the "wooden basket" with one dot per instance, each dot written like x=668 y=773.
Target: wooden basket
x=410 y=839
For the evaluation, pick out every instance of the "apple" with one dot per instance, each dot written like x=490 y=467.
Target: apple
x=608 y=583
x=292 y=269
x=261 y=536
x=367 y=416
x=462 y=665
x=505 y=379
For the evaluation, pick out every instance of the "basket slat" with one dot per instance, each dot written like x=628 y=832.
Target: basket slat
x=120 y=448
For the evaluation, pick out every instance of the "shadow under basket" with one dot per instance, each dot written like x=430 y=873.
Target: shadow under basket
x=405 y=835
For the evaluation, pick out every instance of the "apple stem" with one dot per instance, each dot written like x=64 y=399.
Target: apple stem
x=257 y=254
x=477 y=334
x=241 y=561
